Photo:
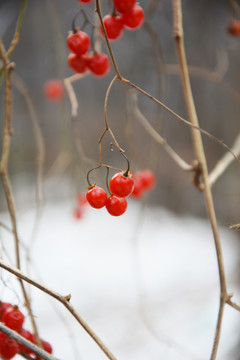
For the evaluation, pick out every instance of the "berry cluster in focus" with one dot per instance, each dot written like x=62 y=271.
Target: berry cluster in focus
x=80 y=60
x=13 y=318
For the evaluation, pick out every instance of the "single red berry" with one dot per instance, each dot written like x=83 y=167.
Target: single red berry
x=134 y=18
x=96 y=196
x=30 y=337
x=121 y=185
x=78 y=43
x=85 y=1
x=78 y=214
x=54 y=90
x=234 y=28
x=116 y=206
x=124 y=6
x=113 y=25
x=147 y=179
x=8 y=347
x=99 y=64
x=78 y=63
x=13 y=318
x=3 y=308
x=81 y=199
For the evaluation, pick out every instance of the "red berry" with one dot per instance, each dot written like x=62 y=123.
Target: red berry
x=121 y=185
x=46 y=346
x=96 y=196
x=8 y=347
x=234 y=28
x=113 y=25
x=147 y=179
x=137 y=190
x=134 y=18
x=78 y=43
x=54 y=90
x=124 y=6
x=85 y=1
x=99 y=64
x=13 y=318
x=78 y=214
x=78 y=63
x=81 y=199
x=30 y=337
x=3 y=308
x=116 y=206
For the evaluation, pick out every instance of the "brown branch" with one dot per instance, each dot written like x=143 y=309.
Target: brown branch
x=200 y=154
x=20 y=339
x=65 y=300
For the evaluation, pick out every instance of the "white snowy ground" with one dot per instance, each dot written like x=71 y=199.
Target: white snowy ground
x=147 y=284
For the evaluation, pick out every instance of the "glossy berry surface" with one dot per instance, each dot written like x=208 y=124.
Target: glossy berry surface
x=134 y=18
x=113 y=25
x=116 y=206
x=30 y=337
x=78 y=43
x=234 y=28
x=99 y=64
x=124 y=6
x=78 y=63
x=121 y=185
x=54 y=90
x=8 y=347
x=96 y=196
x=13 y=318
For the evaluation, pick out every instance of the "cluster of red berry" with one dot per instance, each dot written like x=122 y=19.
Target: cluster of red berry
x=13 y=318
x=234 y=28
x=127 y=14
x=80 y=61
x=121 y=185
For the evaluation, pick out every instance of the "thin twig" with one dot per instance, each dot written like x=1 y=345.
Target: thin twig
x=132 y=98
x=20 y=339
x=65 y=300
x=200 y=154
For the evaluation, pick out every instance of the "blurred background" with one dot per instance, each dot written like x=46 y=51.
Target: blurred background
x=143 y=57
x=159 y=258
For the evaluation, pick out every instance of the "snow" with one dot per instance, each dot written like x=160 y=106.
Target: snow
x=146 y=282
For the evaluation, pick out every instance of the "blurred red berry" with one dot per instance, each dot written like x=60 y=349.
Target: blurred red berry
x=113 y=25
x=13 y=318
x=99 y=64
x=81 y=199
x=147 y=179
x=30 y=337
x=78 y=214
x=85 y=1
x=8 y=347
x=78 y=63
x=234 y=28
x=124 y=6
x=54 y=90
x=78 y=43
x=137 y=190
x=3 y=308
x=96 y=196
x=116 y=206
x=134 y=18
